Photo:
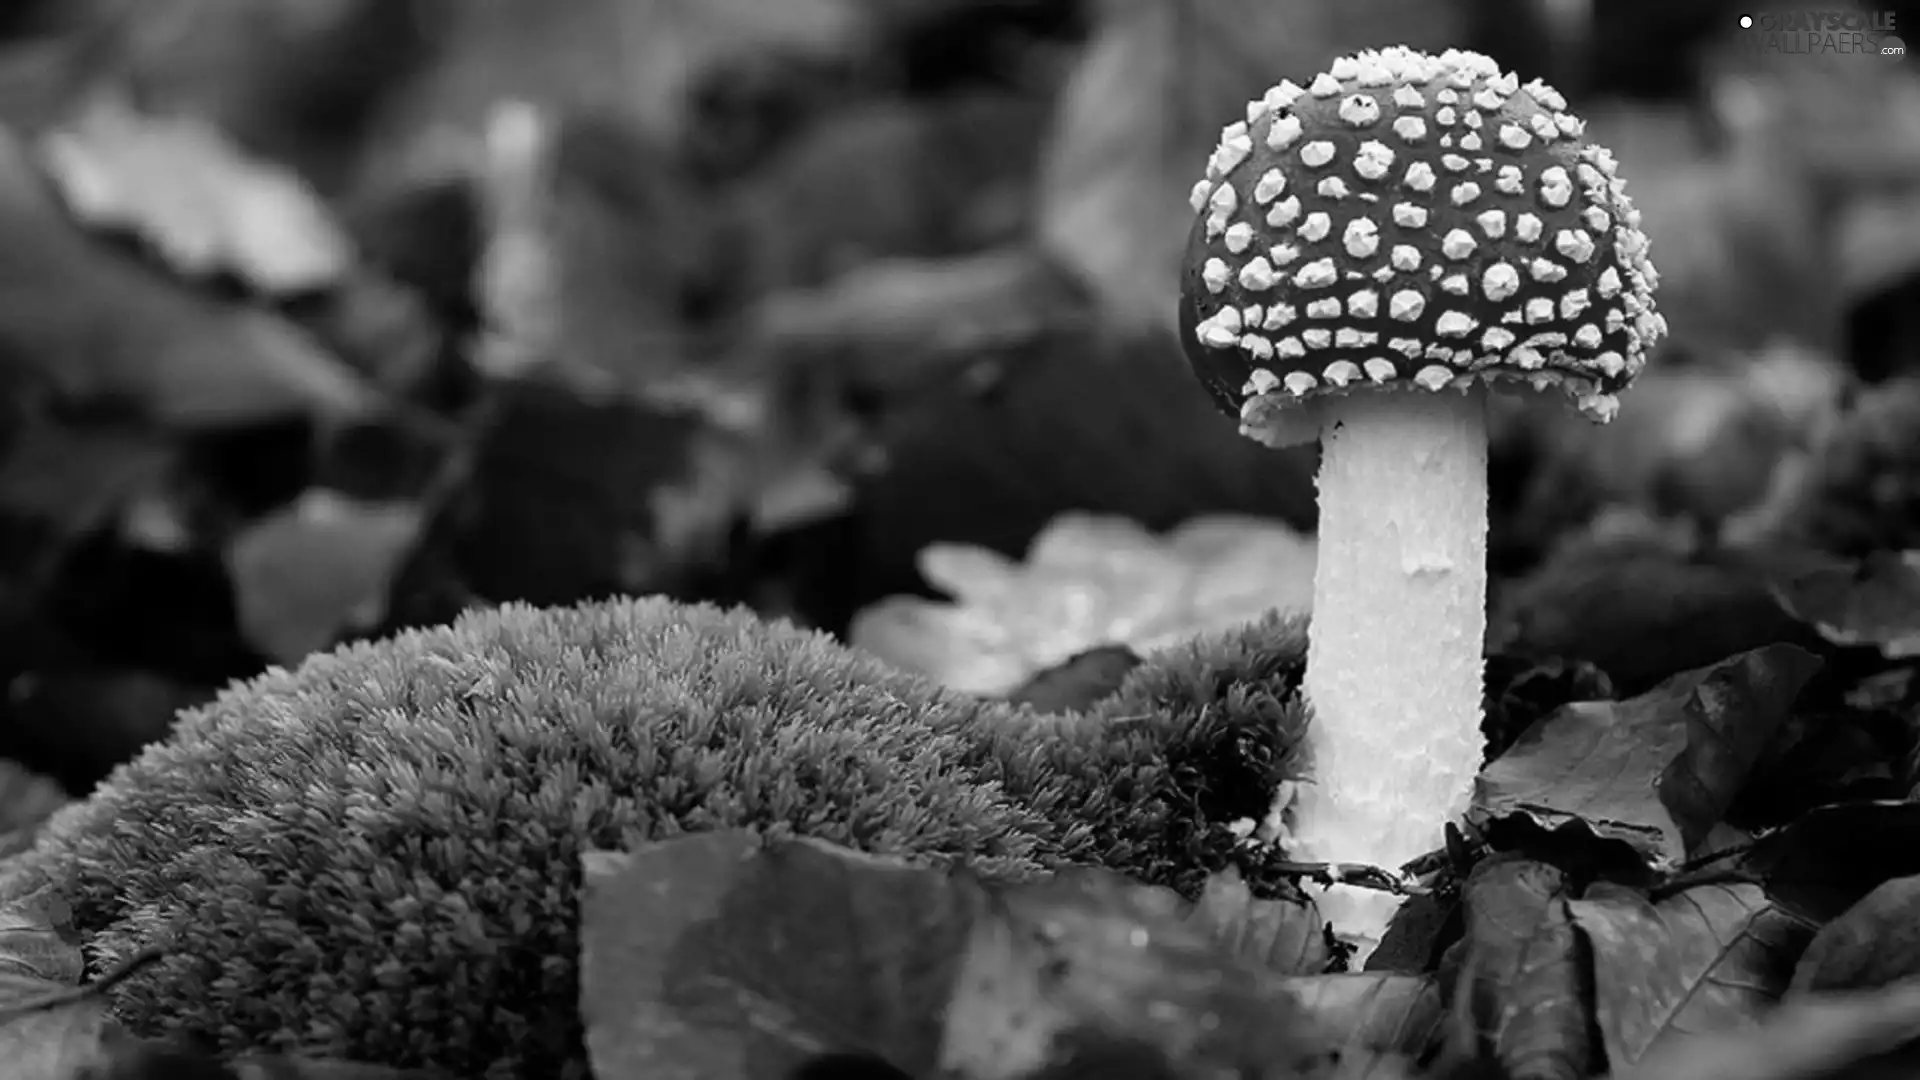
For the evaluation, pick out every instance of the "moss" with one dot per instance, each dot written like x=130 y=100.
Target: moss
x=376 y=856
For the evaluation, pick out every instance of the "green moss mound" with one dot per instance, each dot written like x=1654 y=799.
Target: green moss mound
x=377 y=856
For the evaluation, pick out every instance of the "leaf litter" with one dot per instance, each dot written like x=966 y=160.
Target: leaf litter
x=178 y=184
x=1873 y=601
x=1654 y=772
x=933 y=971
x=731 y=955
x=1704 y=959
x=1521 y=997
x=95 y=330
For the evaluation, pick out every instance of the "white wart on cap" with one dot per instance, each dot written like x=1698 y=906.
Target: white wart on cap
x=1414 y=222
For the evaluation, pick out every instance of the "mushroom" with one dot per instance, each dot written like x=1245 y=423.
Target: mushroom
x=1372 y=253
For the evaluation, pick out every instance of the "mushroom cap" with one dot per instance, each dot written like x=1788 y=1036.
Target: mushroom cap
x=1410 y=221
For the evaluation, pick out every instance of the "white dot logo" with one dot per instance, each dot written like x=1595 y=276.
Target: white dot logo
x=1746 y=22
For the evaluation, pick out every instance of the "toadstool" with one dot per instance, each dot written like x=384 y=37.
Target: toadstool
x=1371 y=254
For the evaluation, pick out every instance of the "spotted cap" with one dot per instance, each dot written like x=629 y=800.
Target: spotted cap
x=1417 y=222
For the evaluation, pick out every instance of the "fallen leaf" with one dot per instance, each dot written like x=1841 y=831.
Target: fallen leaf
x=1871 y=944
x=48 y=1031
x=1708 y=959
x=1873 y=601
x=1286 y=936
x=1145 y=106
x=1374 y=1011
x=318 y=568
x=1655 y=772
x=1884 y=691
x=1419 y=933
x=1523 y=979
x=1831 y=857
x=1089 y=580
x=1088 y=956
x=722 y=957
x=101 y=331
x=33 y=950
x=1723 y=840
x=1808 y=1038
x=178 y=184
x=968 y=649
x=1520 y=691
x=1078 y=682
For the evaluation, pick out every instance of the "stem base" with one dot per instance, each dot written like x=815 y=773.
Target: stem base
x=1395 y=660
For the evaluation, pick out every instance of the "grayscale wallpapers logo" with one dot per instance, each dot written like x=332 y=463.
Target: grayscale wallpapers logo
x=1817 y=31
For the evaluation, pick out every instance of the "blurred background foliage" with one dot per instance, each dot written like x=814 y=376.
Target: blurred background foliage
x=322 y=318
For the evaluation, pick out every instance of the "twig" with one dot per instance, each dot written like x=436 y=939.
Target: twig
x=68 y=995
x=1355 y=874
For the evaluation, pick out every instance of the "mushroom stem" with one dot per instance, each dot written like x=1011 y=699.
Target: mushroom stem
x=1395 y=660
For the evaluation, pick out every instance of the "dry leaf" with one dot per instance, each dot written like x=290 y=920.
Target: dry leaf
x=1812 y=1037
x=317 y=568
x=178 y=184
x=98 y=329
x=1088 y=581
x=49 y=1030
